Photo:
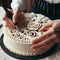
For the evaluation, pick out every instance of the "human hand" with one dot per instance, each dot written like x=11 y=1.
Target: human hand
x=18 y=18
x=49 y=38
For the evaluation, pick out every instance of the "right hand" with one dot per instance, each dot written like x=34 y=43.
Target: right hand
x=17 y=18
x=16 y=14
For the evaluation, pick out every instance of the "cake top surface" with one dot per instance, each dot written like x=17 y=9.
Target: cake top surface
x=31 y=29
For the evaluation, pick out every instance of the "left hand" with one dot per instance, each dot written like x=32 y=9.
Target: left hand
x=49 y=38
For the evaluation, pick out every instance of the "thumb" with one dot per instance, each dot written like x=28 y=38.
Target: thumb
x=46 y=26
x=15 y=16
x=10 y=10
x=14 y=19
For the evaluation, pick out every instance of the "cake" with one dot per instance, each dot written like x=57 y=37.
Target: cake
x=19 y=42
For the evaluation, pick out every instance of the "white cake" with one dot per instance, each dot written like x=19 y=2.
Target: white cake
x=19 y=42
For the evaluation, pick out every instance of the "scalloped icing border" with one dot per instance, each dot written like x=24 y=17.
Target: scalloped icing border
x=23 y=53
x=19 y=52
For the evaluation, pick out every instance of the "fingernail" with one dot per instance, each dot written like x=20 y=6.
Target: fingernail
x=13 y=21
x=8 y=9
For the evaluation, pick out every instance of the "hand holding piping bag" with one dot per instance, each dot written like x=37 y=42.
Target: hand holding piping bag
x=17 y=17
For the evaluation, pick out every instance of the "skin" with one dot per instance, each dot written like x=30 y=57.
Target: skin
x=17 y=17
x=44 y=42
x=49 y=38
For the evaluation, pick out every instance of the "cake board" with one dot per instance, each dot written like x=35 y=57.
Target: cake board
x=46 y=54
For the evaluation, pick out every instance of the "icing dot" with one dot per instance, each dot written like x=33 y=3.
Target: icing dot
x=13 y=34
x=18 y=35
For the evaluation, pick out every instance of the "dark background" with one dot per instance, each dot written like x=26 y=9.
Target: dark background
x=8 y=2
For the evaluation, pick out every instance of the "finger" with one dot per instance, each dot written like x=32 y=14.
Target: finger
x=15 y=16
x=43 y=43
x=46 y=47
x=10 y=26
x=46 y=26
x=11 y=11
x=42 y=37
x=56 y=26
x=9 y=22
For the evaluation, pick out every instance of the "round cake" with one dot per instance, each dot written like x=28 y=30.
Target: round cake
x=19 y=41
